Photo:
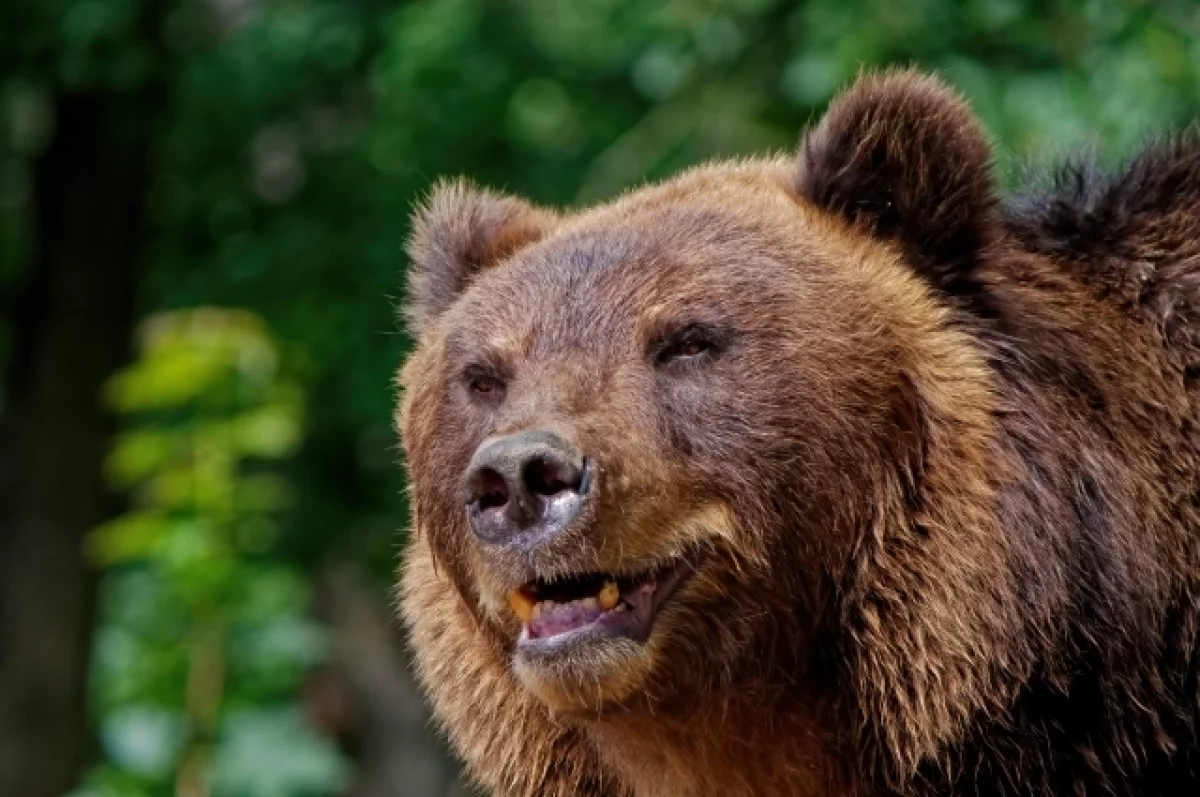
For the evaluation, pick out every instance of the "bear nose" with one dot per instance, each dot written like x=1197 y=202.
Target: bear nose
x=532 y=481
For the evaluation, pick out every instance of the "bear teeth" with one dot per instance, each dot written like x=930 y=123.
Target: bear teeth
x=609 y=595
x=522 y=605
x=530 y=610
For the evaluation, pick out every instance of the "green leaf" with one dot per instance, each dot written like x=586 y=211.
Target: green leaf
x=137 y=454
x=129 y=537
x=172 y=376
x=270 y=432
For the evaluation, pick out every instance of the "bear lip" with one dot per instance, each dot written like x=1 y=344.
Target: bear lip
x=595 y=605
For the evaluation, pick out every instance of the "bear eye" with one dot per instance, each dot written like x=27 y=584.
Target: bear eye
x=484 y=383
x=690 y=343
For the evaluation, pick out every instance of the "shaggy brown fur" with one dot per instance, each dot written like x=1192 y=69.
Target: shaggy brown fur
x=939 y=474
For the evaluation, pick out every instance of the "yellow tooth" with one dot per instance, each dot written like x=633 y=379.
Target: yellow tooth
x=522 y=604
x=537 y=610
x=610 y=593
x=589 y=604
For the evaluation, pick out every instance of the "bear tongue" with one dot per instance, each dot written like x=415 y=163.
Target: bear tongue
x=551 y=618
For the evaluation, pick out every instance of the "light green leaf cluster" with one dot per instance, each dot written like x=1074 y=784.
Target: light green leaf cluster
x=205 y=636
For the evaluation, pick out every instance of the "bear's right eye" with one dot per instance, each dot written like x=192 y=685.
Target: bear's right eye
x=484 y=383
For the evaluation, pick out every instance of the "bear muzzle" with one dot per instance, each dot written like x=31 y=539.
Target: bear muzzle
x=524 y=489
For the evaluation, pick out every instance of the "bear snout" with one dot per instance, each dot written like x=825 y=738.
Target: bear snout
x=524 y=489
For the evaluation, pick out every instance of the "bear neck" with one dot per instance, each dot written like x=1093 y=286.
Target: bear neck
x=762 y=740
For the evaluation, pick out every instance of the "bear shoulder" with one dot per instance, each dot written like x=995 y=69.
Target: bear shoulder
x=1132 y=233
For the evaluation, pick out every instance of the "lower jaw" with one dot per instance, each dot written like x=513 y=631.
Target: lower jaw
x=590 y=672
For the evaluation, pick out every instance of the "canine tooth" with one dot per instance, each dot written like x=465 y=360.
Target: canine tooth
x=522 y=604
x=537 y=611
x=610 y=593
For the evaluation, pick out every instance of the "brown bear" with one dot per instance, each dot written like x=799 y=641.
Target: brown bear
x=828 y=475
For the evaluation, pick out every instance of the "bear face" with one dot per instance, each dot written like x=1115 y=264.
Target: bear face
x=726 y=416
x=726 y=487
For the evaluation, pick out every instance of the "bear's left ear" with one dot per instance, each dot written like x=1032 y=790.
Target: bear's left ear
x=460 y=230
x=901 y=157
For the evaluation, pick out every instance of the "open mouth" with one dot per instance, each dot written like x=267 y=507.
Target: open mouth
x=595 y=604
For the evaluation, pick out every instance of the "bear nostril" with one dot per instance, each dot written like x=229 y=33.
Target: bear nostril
x=548 y=477
x=493 y=490
x=524 y=481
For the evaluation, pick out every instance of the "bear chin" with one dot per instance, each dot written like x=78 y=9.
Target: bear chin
x=587 y=673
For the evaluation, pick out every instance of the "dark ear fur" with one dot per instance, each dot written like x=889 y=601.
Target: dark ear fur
x=902 y=157
x=458 y=231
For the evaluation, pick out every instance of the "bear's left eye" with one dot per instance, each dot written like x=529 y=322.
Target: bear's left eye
x=690 y=343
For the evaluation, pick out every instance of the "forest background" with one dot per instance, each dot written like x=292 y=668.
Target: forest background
x=203 y=209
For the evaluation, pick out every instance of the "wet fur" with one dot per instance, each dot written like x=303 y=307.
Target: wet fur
x=976 y=573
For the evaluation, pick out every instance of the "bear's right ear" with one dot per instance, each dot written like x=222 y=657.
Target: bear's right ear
x=901 y=157
x=457 y=232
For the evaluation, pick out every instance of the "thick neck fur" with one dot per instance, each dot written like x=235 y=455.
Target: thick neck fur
x=760 y=741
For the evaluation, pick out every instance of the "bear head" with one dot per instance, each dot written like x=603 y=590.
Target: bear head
x=716 y=429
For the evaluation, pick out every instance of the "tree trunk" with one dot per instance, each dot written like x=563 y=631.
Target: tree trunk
x=70 y=325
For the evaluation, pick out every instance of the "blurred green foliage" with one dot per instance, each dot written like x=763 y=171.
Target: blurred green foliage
x=204 y=639
x=295 y=136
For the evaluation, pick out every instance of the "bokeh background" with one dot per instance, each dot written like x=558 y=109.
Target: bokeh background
x=203 y=206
